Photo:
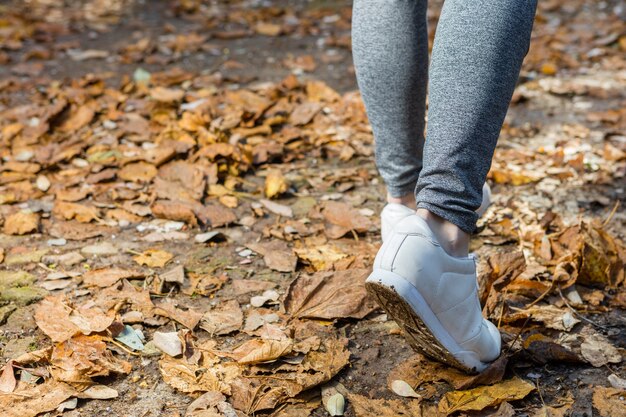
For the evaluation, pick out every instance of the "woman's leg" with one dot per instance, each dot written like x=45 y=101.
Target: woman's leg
x=390 y=50
x=478 y=51
x=422 y=275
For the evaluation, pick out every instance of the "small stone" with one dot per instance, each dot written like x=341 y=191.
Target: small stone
x=109 y=124
x=43 y=183
x=100 y=249
x=245 y=253
x=67 y=259
x=168 y=343
x=56 y=242
x=205 y=237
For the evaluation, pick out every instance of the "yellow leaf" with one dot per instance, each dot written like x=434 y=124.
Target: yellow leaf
x=275 y=184
x=486 y=396
x=153 y=258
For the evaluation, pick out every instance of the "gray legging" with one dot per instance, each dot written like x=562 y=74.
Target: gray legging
x=478 y=51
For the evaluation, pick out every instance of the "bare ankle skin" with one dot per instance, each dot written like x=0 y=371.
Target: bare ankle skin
x=452 y=239
x=406 y=200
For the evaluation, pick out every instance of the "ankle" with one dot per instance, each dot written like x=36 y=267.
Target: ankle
x=406 y=200
x=451 y=238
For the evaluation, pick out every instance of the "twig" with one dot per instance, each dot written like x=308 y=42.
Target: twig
x=539 y=391
x=121 y=346
x=610 y=216
x=578 y=314
x=502 y=307
x=518 y=335
x=542 y=296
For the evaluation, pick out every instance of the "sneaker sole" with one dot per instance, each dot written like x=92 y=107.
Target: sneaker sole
x=386 y=288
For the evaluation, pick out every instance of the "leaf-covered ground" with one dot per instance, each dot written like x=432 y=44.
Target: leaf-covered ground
x=189 y=208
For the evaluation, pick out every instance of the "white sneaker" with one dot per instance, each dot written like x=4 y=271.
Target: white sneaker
x=434 y=297
x=393 y=212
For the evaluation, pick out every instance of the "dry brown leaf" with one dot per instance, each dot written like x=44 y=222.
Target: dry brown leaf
x=304 y=113
x=329 y=295
x=551 y=316
x=419 y=370
x=259 y=351
x=7 y=378
x=216 y=215
x=368 y=407
x=545 y=350
x=59 y=321
x=166 y=95
x=485 y=396
x=267 y=29
x=224 y=319
x=69 y=211
x=276 y=254
x=21 y=223
x=598 y=351
x=106 y=277
x=246 y=286
x=172 y=210
x=74 y=230
x=188 y=317
x=343 y=218
x=79 y=118
x=610 y=402
x=138 y=172
x=31 y=401
x=81 y=358
x=547 y=411
x=153 y=258
x=208 y=375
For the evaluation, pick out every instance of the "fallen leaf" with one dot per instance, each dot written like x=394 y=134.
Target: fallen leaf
x=598 y=351
x=166 y=95
x=31 y=401
x=106 y=277
x=138 y=172
x=343 y=218
x=226 y=318
x=485 y=396
x=59 y=321
x=610 y=402
x=368 y=407
x=419 y=370
x=275 y=184
x=153 y=258
x=329 y=295
x=208 y=375
x=276 y=254
x=80 y=212
x=258 y=351
x=7 y=378
x=545 y=350
x=21 y=223
x=304 y=113
x=403 y=389
x=321 y=257
x=188 y=317
x=81 y=358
